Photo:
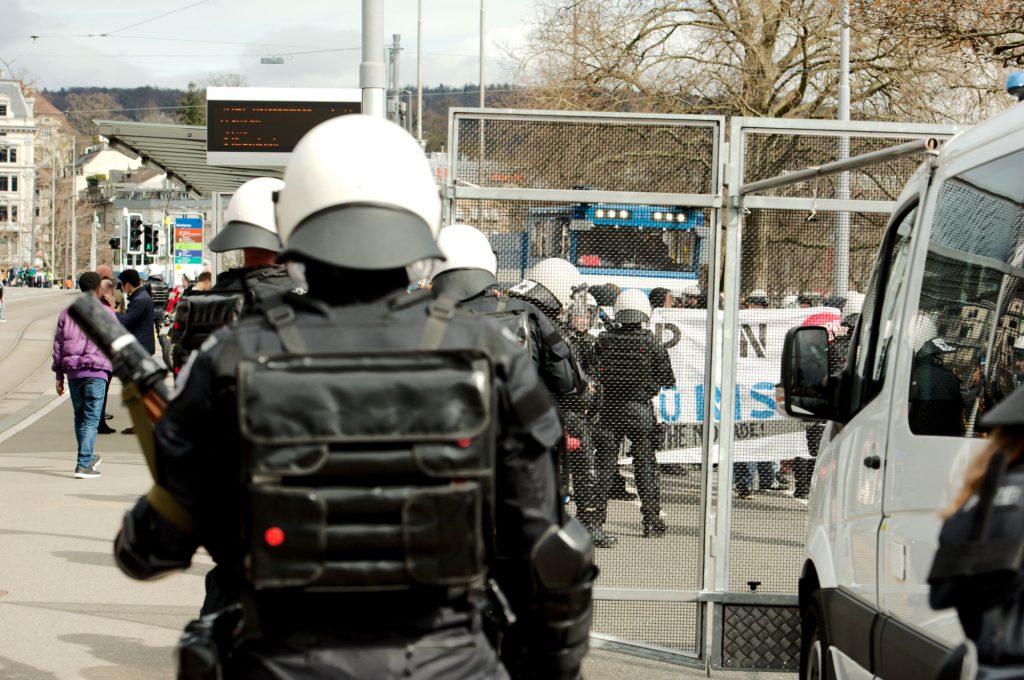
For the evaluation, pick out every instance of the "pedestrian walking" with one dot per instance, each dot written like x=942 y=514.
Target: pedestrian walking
x=2 y=319
x=88 y=372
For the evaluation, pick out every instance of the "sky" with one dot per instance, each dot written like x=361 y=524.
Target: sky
x=195 y=39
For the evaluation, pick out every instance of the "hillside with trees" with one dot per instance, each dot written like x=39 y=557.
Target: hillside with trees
x=186 y=106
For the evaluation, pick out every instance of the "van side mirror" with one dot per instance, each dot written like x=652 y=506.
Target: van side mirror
x=810 y=394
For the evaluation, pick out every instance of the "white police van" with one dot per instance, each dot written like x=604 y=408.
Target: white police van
x=934 y=348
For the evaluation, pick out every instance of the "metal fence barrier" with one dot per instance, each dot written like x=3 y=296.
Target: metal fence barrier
x=635 y=201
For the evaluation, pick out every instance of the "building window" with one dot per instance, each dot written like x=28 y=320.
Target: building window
x=3 y=109
x=8 y=154
x=4 y=217
x=8 y=183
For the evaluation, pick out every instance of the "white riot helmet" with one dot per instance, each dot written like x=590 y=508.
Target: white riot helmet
x=465 y=247
x=359 y=194
x=926 y=340
x=249 y=220
x=758 y=296
x=632 y=306
x=550 y=284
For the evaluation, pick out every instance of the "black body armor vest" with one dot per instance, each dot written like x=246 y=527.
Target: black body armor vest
x=198 y=315
x=515 y=319
x=368 y=471
x=624 y=365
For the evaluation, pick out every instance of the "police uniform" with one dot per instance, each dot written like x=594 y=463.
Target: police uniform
x=250 y=227
x=634 y=366
x=977 y=567
x=548 y=348
x=580 y=417
x=364 y=460
x=936 y=403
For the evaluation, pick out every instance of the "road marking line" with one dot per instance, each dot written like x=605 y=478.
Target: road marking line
x=15 y=429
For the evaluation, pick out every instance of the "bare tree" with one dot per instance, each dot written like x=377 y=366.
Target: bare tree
x=993 y=30
x=744 y=57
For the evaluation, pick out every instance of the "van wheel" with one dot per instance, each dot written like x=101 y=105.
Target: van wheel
x=814 y=643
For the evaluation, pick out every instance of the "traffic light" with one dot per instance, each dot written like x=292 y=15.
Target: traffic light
x=115 y=243
x=156 y=239
x=135 y=235
x=147 y=239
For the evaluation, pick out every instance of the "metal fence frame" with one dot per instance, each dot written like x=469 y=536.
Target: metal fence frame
x=739 y=199
x=456 y=189
x=715 y=523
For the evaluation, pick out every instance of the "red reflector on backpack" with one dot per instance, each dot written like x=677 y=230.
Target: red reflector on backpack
x=175 y=325
x=274 y=536
x=464 y=443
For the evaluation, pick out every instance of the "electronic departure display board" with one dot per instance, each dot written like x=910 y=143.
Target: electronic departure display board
x=260 y=126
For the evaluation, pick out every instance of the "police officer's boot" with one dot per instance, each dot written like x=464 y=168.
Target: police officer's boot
x=654 y=526
x=601 y=538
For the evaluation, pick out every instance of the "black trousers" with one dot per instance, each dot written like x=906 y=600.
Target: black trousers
x=634 y=421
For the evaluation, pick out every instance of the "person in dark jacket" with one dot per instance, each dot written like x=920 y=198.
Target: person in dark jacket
x=936 y=403
x=138 y=315
x=976 y=568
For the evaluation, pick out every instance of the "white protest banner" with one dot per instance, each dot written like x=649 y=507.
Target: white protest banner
x=763 y=433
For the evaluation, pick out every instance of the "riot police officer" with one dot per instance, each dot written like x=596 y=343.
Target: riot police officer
x=365 y=459
x=936 y=404
x=469 y=274
x=580 y=417
x=250 y=227
x=634 y=366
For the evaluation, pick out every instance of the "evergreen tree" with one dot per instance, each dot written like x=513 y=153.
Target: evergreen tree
x=192 y=106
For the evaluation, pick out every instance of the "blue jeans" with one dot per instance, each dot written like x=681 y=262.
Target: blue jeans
x=87 y=400
x=743 y=475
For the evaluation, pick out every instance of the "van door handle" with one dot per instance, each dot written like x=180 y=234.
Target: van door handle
x=873 y=462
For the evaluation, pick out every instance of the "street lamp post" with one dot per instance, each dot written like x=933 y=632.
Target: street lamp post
x=841 y=273
x=74 y=208
x=92 y=244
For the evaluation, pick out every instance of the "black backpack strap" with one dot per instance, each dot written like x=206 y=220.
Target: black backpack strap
x=440 y=312
x=281 y=317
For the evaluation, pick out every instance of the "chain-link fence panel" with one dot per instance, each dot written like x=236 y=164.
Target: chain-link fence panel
x=798 y=254
x=605 y=223
x=631 y=467
x=630 y=155
x=773 y=454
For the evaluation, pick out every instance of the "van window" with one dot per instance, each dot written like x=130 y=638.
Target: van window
x=968 y=333
x=871 y=359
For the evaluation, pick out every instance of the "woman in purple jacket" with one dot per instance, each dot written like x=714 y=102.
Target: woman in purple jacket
x=88 y=372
